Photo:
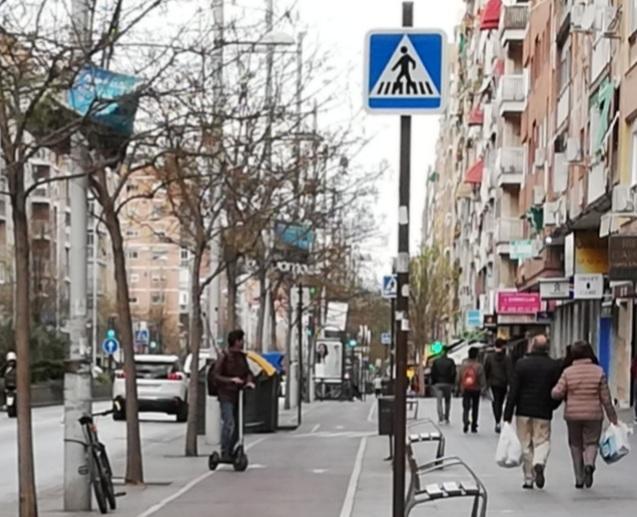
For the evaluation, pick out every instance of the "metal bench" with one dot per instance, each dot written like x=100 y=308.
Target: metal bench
x=412 y=405
x=420 y=492
x=432 y=436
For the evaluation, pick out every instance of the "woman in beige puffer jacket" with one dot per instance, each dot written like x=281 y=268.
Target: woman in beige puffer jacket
x=584 y=387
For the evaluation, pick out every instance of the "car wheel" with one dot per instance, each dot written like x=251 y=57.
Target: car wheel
x=182 y=412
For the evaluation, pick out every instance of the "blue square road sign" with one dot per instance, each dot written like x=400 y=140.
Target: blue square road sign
x=405 y=71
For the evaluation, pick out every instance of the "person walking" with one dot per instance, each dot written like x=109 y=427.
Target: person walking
x=231 y=374
x=584 y=387
x=378 y=385
x=443 y=379
x=498 y=369
x=530 y=400
x=473 y=384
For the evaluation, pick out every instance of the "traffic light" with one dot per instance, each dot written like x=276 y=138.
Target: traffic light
x=110 y=334
x=437 y=347
x=352 y=343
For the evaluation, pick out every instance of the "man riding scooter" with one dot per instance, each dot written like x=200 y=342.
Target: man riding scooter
x=231 y=373
x=10 y=383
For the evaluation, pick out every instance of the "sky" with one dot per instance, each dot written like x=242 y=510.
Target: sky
x=340 y=26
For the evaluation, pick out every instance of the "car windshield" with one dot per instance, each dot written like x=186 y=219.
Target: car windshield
x=154 y=370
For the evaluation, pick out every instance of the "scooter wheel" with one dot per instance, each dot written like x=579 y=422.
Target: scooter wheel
x=240 y=463
x=213 y=461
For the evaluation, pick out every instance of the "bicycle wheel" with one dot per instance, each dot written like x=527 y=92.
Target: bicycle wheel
x=109 y=489
x=98 y=487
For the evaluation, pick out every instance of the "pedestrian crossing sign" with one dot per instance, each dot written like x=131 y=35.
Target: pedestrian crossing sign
x=405 y=71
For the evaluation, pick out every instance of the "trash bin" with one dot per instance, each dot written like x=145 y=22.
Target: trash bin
x=262 y=405
x=386 y=415
x=387 y=387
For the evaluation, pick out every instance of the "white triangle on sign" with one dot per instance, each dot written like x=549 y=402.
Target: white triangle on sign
x=404 y=76
x=391 y=286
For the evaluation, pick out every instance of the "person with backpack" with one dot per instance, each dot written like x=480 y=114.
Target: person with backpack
x=231 y=373
x=443 y=379
x=472 y=383
x=530 y=399
x=499 y=371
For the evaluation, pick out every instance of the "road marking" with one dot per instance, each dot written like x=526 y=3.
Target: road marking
x=315 y=428
x=372 y=410
x=186 y=488
x=348 y=503
x=339 y=434
x=319 y=471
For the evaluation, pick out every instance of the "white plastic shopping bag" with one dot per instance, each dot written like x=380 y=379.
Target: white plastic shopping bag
x=509 y=451
x=614 y=444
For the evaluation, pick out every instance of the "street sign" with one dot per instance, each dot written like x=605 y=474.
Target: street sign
x=110 y=346
x=588 y=287
x=555 y=288
x=474 y=319
x=405 y=71
x=390 y=286
x=385 y=338
x=142 y=337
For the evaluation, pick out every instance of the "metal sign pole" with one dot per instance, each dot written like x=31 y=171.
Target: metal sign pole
x=402 y=301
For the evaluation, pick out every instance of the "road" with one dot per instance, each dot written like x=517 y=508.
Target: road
x=49 y=446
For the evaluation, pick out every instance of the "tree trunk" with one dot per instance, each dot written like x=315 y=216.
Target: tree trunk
x=134 y=468
x=263 y=299
x=26 y=474
x=273 y=335
x=232 y=295
x=288 y=350
x=195 y=343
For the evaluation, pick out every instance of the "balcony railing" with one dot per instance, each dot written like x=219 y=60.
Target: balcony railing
x=40 y=230
x=511 y=94
x=510 y=165
x=513 y=22
x=509 y=229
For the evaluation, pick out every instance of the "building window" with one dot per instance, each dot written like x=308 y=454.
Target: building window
x=157 y=298
x=134 y=278
x=159 y=255
x=132 y=254
x=131 y=233
x=634 y=156
x=565 y=68
x=133 y=300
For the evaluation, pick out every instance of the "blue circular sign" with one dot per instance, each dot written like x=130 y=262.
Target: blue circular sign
x=110 y=346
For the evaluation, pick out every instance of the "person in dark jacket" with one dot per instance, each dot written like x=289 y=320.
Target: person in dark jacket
x=499 y=371
x=530 y=399
x=231 y=374
x=443 y=379
x=10 y=373
x=473 y=384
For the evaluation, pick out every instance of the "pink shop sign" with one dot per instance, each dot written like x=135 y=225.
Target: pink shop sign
x=518 y=303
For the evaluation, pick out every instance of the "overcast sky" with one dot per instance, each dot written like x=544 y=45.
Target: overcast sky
x=341 y=25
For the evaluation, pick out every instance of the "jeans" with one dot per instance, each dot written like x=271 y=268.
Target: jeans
x=470 y=402
x=229 y=428
x=443 y=391
x=583 y=439
x=499 y=396
x=535 y=438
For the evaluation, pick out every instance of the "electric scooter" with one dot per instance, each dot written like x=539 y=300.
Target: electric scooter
x=238 y=459
x=9 y=397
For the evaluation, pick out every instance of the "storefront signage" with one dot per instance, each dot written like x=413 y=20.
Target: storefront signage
x=521 y=250
x=591 y=253
x=589 y=287
x=624 y=290
x=555 y=289
x=511 y=302
x=622 y=256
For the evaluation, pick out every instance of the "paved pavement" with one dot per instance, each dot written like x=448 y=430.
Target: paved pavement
x=333 y=466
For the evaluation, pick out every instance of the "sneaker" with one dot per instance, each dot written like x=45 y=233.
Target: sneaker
x=528 y=485
x=474 y=429
x=539 y=475
x=579 y=486
x=498 y=428
x=588 y=476
x=465 y=428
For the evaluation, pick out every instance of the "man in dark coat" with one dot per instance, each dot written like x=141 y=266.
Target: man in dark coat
x=499 y=371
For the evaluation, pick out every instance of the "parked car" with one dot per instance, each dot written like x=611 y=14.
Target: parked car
x=204 y=355
x=162 y=386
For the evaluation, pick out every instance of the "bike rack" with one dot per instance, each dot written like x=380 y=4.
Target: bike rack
x=420 y=493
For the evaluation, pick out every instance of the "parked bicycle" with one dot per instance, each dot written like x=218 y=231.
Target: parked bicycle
x=101 y=472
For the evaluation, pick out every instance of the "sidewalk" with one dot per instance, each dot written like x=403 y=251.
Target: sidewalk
x=614 y=492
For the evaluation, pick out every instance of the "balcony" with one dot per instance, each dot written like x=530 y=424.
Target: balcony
x=513 y=23
x=510 y=166
x=41 y=194
x=41 y=230
x=507 y=229
x=511 y=95
x=563 y=106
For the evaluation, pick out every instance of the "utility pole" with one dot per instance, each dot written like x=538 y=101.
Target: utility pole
x=402 y=300
x=95 y=270
x=77 y=376
x=299 y=328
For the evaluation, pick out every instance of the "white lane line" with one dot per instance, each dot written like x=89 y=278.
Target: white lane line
x=315 y=428
x=186 y=488
x=372 y=411
x=348 y=503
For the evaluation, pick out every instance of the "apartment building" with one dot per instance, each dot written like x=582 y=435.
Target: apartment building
x=542 y=139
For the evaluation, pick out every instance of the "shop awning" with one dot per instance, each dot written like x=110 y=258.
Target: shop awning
x=474 y=174
x=476 y=117
x=491 y=15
